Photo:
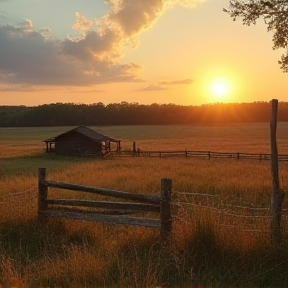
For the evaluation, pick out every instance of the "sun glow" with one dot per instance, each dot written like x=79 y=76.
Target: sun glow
x=219 y=88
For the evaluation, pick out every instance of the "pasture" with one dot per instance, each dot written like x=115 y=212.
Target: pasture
x=213 y=222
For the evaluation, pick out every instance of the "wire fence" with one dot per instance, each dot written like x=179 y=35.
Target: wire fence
x=221 y=210
x=198 y=154
x=188 y=207
x=18 y=205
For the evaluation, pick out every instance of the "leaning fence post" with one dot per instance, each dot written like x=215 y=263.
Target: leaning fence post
x=277 y=194
x=42 y=190
x=165 y=209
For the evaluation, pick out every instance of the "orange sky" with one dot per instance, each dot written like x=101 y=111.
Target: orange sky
x=134 y=51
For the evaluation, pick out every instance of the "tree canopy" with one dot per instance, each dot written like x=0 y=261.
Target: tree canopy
x=68 y=114
x=275 y=15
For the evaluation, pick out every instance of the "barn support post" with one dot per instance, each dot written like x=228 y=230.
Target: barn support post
x=42 y=191
x=277 y=194
x=166 y=210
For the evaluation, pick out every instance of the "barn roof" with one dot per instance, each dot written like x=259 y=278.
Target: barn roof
x=92 y=134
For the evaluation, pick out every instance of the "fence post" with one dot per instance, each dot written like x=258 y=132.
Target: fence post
x=134 y=147
x=42 y=190
x=165 y=209
x=277 y=194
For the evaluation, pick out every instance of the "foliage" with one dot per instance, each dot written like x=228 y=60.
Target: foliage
x=275 y=15
x=60 y=114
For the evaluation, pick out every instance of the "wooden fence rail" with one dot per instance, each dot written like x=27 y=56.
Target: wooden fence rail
x=202 y=154
x=107 y=211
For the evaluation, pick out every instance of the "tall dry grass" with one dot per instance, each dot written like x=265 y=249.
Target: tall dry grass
x=220 y=250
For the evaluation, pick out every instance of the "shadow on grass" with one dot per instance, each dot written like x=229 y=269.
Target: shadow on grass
x=25 y=241
x=136 y=261
x=23 y=165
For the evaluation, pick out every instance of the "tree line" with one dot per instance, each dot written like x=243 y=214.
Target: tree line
x=70 y=114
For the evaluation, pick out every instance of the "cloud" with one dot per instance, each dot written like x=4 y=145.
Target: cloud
x=94 y=55
x=163 y=85
x=177 y=82
x=82 y=24
x=29 y=57
x=3 y=16
x=152 y=87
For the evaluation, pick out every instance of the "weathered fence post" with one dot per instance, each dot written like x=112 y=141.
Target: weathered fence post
x=166 y=209
x=277 y=194
x=42 y=190
x=134 y=147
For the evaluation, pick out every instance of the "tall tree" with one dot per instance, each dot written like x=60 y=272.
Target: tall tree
x=275 y=15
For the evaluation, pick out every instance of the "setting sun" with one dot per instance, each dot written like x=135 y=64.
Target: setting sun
x=219 y=88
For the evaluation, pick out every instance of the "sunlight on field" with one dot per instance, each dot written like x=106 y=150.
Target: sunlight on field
x=245 y=138
x=86 y=254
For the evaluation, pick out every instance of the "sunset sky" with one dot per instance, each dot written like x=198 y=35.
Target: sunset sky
x=185 y=52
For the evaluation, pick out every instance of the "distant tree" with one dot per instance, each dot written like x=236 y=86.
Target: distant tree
x=275 y=15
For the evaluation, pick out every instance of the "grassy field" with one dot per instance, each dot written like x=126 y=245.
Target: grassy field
x=221 y=248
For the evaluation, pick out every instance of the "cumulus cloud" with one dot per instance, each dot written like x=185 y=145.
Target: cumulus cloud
x=82 y=24
x=29 y=56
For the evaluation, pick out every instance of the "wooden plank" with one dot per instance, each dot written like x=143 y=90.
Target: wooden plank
x=86 y=210
x=104 y=192
x=106 y=205
x=134 y=221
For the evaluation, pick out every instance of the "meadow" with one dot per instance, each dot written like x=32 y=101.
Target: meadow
x=214 y=232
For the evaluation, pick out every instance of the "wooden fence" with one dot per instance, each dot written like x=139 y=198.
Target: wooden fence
x=107 y=211
x=201 y=154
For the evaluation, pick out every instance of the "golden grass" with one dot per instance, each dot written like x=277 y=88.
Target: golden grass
x=77 y=254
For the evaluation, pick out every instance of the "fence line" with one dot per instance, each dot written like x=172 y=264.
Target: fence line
x=193 y=205
x=18 y=205
x=145 y=203
x=220 y=203
x=201 y=154
x=216 y=209
x=22 y=192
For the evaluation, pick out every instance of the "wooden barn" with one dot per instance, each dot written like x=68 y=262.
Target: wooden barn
x=81 y=141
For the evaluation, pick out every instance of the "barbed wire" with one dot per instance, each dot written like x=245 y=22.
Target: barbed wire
x=225 y=205
x=223 y=210
x=22 y=192
x=218 y=206
x=10 y=195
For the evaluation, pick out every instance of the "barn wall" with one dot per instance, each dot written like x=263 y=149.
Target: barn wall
x=76 y=144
